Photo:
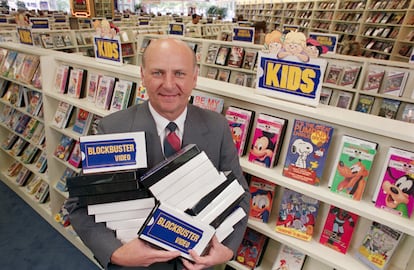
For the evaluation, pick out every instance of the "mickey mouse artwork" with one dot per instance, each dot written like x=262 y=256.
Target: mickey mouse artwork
x=262 y=149
x=293 y=44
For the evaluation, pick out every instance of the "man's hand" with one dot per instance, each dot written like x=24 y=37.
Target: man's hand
x=218 y=254
x=139 y=253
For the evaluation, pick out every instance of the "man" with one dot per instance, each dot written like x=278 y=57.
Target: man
x=169 y=73
x=195 y=19
x=259 y=32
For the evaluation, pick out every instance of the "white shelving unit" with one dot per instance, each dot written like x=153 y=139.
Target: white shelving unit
x=350 y=19
x=343 y=61
x=386 y=132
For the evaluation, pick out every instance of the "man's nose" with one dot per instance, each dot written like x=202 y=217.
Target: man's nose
x=169 y=80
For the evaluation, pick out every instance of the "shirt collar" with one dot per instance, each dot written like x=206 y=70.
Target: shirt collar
x=161 y=122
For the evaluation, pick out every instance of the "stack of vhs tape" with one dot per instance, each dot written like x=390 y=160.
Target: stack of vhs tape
x=114 y=198
x=195 y=201
x=177 y=205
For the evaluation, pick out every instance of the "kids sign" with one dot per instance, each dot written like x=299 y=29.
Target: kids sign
x=289 y=67
x=25 y=35
x=108 y=50
x=290 y=79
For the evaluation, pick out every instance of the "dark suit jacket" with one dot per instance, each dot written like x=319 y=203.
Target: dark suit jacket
x=207 y=129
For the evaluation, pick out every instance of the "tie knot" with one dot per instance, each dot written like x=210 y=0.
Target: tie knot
x=172 y=126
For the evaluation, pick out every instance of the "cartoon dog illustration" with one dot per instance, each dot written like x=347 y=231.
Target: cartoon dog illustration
x=398 y=194
x=303 y=149
x=353 y=182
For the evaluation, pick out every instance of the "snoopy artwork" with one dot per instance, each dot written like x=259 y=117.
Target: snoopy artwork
x=307 y=152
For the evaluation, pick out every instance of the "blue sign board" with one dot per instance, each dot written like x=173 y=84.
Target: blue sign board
x=108 y=50
x=245 y=34
x=40 y=23
x=113 y=152
x=176 y=29
x=290 y=79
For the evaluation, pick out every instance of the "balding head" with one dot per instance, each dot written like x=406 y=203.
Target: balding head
x=169 y=44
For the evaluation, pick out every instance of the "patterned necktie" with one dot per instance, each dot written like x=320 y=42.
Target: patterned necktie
x=172 y=142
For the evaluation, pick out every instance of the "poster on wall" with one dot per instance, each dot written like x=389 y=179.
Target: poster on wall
x=330 y=41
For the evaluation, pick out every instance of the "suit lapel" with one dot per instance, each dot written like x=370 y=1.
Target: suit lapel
x=154 y=150
x=192 y=135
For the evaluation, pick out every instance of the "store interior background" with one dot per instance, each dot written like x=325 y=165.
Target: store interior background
x=148 y=6
x=201 y=7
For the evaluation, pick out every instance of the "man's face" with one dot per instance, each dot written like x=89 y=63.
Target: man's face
x=169 y=77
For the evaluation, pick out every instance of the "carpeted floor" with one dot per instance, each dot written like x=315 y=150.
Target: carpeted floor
x=28 y=242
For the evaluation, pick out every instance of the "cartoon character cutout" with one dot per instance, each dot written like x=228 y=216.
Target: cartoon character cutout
x=294 y=44
x=22 y=20
x=314 y=49
x=105 y=29
x=261 y=204
x=263 y=148
x=273 y=42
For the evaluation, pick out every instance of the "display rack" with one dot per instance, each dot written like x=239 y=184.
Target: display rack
x=355 y=90
x=46 y=209
x=386 y=132
x=103 y=8
x=387 y=24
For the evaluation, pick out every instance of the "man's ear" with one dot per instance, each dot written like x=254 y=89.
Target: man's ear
x=142 y=76
x=196 y=70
